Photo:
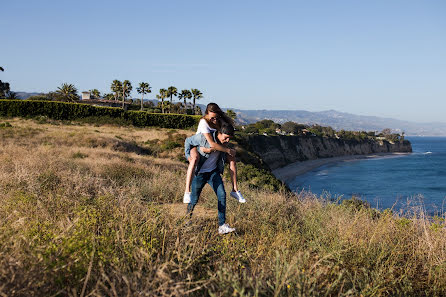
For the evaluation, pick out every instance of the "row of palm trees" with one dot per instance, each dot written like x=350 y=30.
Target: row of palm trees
x=121 y=90
x=184 y=95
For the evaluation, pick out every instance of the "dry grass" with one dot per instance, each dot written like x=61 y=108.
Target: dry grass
x=96 y=211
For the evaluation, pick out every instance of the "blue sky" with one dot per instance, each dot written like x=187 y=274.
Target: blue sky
x=383 y=58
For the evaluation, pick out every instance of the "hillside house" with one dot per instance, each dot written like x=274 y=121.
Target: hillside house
x=86 y=95
x=86 y=98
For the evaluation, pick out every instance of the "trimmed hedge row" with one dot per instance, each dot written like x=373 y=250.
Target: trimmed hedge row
x=73 y=111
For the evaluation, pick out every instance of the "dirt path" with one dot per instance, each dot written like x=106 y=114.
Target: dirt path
x=179 y=210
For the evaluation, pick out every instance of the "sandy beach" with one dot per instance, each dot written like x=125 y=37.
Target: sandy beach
x=289 y=172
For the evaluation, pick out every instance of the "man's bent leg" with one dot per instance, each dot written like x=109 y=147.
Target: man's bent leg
x=198 y=183
x=216 y=183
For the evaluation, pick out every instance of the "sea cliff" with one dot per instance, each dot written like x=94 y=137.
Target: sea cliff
x=279 y=151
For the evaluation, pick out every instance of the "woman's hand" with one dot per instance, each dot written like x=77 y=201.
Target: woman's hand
x=206 y=150
x=231 y=152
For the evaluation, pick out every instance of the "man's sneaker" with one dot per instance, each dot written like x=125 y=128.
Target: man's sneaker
x=223 y=229
x=186 y=197
x=237 y=195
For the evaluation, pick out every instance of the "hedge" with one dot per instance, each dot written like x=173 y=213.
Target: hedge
x=74 y=111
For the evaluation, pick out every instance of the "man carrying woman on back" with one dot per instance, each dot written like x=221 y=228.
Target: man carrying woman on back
x=206 y=152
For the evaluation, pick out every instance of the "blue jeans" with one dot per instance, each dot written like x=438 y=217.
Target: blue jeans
x=213 y=178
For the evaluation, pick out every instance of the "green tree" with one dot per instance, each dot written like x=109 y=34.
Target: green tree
x=251 y=129
x=231 y=114
x=126 y=89
x=11 y=95
x=196 y=95
x=264 y=124
x=171 y=91
x=95 y=93
x=68 y=92
x=4 y=86
x=162 y=95
x=116 y=88
x=144 y=88
x=386 y=131
x=290 y=127
x=330 y=132
x=108 y=96
x=185 y=94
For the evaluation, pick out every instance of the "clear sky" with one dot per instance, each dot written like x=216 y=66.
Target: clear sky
x=384 y=58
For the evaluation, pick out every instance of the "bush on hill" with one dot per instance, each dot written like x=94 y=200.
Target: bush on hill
x=292 y=127
x=76 y=111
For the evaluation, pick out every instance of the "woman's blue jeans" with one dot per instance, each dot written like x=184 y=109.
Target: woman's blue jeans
x=213 y=178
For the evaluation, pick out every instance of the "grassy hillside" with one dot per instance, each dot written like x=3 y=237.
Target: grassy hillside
x=96 y=210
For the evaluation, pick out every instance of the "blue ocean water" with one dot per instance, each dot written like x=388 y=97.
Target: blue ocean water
x=401 y=183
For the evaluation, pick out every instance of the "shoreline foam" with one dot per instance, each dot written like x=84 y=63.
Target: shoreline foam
x=291 y=171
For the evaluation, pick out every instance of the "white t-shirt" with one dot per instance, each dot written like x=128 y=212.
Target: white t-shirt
x=211 y=163
x=203 y=127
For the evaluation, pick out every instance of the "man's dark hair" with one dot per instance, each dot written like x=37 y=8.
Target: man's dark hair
x=226 y=128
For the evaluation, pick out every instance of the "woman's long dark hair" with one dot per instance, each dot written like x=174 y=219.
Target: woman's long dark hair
x=213 y=107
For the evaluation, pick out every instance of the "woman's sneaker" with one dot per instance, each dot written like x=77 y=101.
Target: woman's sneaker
x=237 y=195
x=186 y=197
x=223 y=229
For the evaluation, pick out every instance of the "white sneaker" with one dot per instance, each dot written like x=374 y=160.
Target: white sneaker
x=223 y=229
x=186 y=197
x=237 y=195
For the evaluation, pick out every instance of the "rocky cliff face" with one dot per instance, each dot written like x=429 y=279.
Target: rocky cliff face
x=278 y=151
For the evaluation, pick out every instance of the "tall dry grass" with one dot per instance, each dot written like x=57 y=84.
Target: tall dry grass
x=94 y=211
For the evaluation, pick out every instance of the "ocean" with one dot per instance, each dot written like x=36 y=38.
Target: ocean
x=402 y=183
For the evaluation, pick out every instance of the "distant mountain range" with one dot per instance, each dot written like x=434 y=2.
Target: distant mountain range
x=335 y=119
x=338 y=121
x=26 y=95
x=341 y=120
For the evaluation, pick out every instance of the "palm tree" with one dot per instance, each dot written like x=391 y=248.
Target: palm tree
x=144 y=88
x=162 y=96
x=185 y=94
x=126 y=89
x=95 y=93
x=116 y=88
x=108 y=96
x=4 y=88
x=68 y=92
x=171 y=91
x=197 y=95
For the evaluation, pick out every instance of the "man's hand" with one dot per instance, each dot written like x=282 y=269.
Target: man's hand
x=206 y=150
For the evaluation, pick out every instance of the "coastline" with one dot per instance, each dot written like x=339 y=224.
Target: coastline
x=287 y=173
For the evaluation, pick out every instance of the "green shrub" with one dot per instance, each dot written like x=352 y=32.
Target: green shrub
x=355 y=205
x=79 y=155
x=174 y=140
x=49 y=181
x=257 y=178
x=77 y=111
x=170 y=144
x=122 y=174
x=5 y=125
